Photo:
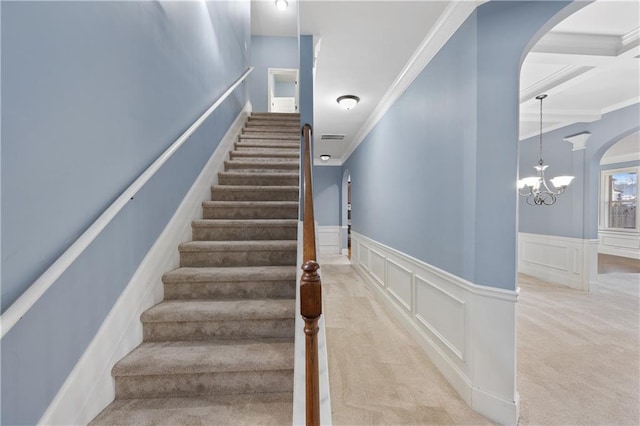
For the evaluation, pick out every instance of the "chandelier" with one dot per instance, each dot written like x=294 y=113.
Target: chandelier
x=536 y=188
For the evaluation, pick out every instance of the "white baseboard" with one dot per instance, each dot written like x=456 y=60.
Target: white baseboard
x=460 y=325
x=624 y=244
x=90 y=387
x=345 y=252
x=572 y=262
x=329 y=239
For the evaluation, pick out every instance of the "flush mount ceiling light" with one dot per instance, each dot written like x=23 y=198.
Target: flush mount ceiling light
x=282 y=4
x=536 y=188
x=325 y=157
x=348 y=101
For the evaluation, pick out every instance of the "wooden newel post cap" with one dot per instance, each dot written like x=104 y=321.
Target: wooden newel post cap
x=310 y=291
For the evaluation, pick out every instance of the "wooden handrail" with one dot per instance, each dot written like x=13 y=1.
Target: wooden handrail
x=310 y=292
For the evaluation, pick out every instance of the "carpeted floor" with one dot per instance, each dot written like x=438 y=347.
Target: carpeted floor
x=578 y=357
x=578 y=353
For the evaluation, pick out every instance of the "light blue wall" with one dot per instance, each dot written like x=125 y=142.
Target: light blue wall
x=269 y=52
x=436 y=177
x=327 y=181
x=576 y=212
x=93 y=92
x=306 y=99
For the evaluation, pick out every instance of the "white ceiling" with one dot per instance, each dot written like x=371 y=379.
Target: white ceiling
x=588 y=64
x=626 y=149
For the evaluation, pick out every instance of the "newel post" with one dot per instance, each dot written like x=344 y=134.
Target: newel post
x=311 y=310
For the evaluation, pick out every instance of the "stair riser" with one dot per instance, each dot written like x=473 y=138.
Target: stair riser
x=245 y=152
x=267 y=143
x=295 y=137
x=230 y=290
x=266 y=195
x=250 y=213
x=271 y=129
x=289 y=166
x=258 y=180
x=219 y=233
x=273 y=123
x=190 y=385
x=238 y=258
x=209 y=330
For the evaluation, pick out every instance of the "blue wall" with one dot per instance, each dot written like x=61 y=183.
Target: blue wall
x=576 y=212
x=93 y=93
x=436 y=177
x=269 y=52
x=327 y=182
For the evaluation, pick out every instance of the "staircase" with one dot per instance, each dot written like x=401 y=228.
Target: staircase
x=219 y=348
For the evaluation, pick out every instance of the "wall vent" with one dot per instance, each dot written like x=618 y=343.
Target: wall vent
x=331 y=137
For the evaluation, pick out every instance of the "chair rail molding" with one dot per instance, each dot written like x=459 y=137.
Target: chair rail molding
x=460 y=325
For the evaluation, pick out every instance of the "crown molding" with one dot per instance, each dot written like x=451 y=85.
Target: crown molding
x=451 y=19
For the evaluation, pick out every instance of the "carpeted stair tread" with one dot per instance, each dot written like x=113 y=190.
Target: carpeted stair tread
x=264 y=179
x=246 y=223
x=288 y=204
x=171 y=358
x=254 y=193
x=267 y=143
x=271 y=129
x=258 y=122
x=240 y=409
x=232 y=246
x=220 y=310
x=271 y=135
x=228 y=274
x=262 y=165
x=265 y=153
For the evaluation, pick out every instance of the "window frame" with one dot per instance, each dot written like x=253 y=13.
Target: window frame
x=604 y=195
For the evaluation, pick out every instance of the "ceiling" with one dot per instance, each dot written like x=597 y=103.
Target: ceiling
x=588 y=64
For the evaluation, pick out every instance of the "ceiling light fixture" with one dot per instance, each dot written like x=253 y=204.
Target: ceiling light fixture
x=282 y=4
x=325 y=157
x=536 y=188
x=348 y=101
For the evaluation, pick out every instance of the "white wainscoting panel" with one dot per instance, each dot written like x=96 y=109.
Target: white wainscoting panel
x=399 y=283
x=442 y=314
x=328 y=239
x=625 y=244
x=461 y=326
x=572 y=262
x=377 y=266
x=90 y=386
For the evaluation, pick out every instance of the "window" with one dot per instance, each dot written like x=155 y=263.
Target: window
x=619 y=199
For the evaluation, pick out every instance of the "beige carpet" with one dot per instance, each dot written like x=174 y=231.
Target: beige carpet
x=578 y=357
x=578 y=353
x=377 y=374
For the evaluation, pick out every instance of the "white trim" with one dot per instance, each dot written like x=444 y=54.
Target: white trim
x=616 y=243
x=20 y=307
x=89 y=387
x=448 y=23
x=578 y=141
x=622 y=158
x=620 y=105
x=329 y=239
x=572 y=262
x=459 y=324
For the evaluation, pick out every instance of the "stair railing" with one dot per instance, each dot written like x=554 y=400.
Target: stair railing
x=310 y=292
x=21 y=306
